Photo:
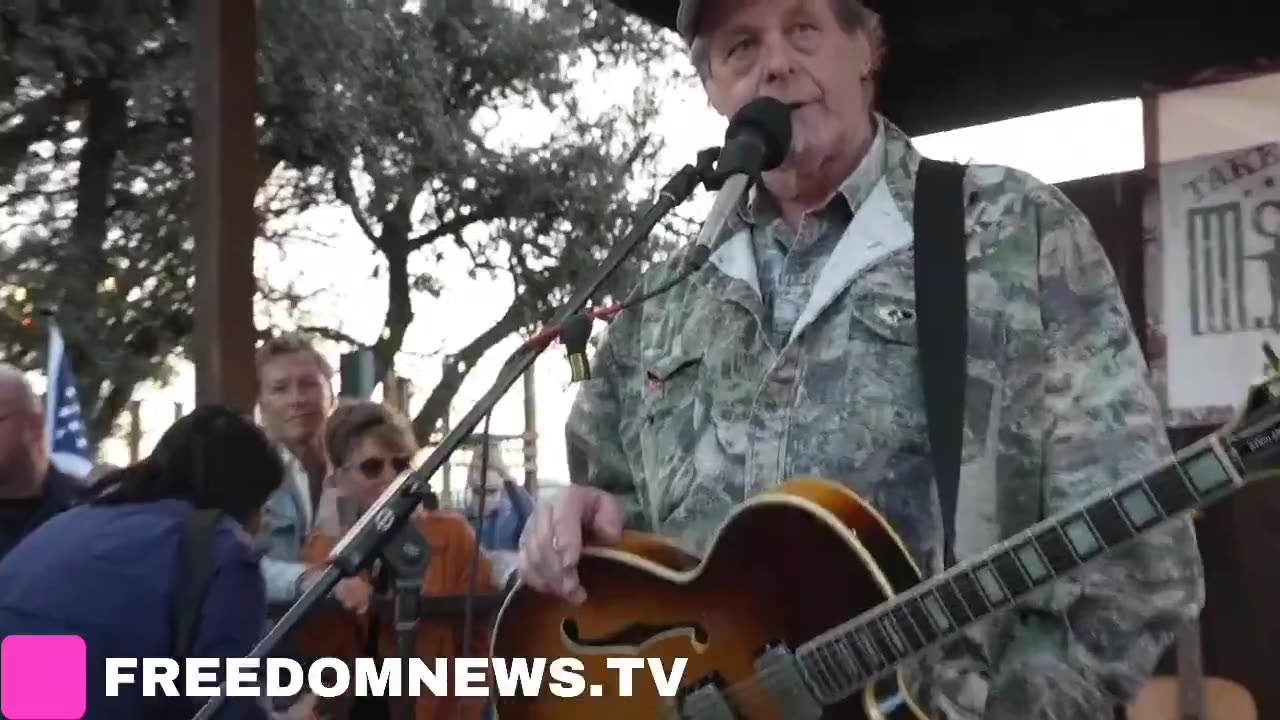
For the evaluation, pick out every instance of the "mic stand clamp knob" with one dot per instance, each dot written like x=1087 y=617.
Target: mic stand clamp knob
x=407 y=557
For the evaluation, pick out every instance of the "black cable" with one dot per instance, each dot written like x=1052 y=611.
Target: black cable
x=468 y=609
x=355 y=548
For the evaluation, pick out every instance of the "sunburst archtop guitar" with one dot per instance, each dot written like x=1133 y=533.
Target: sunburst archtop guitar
x=807 y=604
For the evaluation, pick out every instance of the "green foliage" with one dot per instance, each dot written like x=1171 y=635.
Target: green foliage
x=93 y=183
x=416 y=155
x=383 y=106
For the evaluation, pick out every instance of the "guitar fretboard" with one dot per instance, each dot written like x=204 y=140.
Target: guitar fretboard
x=844 y=659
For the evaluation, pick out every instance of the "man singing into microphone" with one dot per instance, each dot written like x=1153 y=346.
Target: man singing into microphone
x=793 y=352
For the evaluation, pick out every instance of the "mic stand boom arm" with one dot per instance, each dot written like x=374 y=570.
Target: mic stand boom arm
x=365 y=539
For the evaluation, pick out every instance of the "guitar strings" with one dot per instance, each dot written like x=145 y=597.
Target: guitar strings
x=752 y=693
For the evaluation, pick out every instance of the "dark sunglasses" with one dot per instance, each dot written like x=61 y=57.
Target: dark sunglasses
x=372 y=467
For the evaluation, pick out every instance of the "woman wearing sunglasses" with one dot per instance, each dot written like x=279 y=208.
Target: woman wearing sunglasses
x=369 y=445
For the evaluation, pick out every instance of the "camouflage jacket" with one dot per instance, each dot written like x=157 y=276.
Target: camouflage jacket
x=691 y=410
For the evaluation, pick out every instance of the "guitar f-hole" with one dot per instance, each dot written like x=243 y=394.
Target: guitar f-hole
x=631 y=639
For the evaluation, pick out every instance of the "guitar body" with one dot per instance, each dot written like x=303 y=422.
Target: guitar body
x=786 y=566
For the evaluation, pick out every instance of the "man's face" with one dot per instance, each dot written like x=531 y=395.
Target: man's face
x=797 y=52
x=22 y=447
x=295 y=398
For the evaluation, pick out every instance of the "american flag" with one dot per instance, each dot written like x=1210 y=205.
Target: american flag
x=64 y=428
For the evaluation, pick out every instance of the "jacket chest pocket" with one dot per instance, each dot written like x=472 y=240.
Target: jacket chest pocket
x=890 y=370
x=882 y=334
x=670 y=394
x=672 y=410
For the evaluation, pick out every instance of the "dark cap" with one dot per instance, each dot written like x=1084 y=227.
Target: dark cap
x=687 y=18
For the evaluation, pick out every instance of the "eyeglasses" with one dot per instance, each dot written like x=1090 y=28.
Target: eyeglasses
x=372 y=467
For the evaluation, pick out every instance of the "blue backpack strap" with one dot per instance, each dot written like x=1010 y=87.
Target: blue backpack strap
x=194 y=574
x=942 y=325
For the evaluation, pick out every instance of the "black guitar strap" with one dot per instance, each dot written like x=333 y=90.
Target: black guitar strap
x=942 y=325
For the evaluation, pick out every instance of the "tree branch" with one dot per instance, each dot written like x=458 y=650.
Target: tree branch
x=453 y=226
x=343 y=190
x=329 y=333
x=37 y=116
x=427 y=421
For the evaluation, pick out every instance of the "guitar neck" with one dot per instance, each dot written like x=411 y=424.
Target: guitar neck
x=844 y=659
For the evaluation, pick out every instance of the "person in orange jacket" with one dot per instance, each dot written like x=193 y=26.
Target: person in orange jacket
x=369 y=444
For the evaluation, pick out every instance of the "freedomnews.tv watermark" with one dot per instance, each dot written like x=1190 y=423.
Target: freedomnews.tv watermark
x=44 y=677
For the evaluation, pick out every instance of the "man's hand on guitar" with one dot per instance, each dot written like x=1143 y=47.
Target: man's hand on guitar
x=553 y=539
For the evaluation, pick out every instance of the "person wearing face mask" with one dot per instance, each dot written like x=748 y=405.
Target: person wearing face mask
x=507 y=506
x=793 y=352
x=369 y=445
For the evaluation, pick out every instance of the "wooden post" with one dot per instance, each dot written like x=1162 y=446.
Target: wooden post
x=395 y=393
x=530 y=433
x=446 y=481
x=225 y=141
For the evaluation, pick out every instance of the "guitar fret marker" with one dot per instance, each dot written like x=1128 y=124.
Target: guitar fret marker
x=1139 y=508
x=940 y=618
x=1083 y=542
x=990 y=586
x=1032 y=562
x=1206 y=473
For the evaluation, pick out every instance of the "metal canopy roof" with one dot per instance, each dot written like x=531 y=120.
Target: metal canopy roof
x=954 y=64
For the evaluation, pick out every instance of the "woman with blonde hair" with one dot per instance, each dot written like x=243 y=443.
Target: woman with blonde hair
x=369 y=445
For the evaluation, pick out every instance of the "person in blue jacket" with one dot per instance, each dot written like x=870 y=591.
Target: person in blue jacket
x=507 y=506
x=107 y=570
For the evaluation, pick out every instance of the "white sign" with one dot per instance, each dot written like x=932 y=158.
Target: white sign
x=1220 y=237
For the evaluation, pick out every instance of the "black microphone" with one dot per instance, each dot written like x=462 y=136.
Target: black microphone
x=758 y=138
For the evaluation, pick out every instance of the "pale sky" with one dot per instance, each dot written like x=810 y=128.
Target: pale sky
x=1069 y=144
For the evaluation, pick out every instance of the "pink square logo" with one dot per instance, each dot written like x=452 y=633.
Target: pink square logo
x=42 y=677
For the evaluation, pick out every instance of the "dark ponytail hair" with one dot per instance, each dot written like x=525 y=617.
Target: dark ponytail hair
x=212 y=457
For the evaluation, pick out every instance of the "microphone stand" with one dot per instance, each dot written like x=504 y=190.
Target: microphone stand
x=366 y=538
x=407 y=558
